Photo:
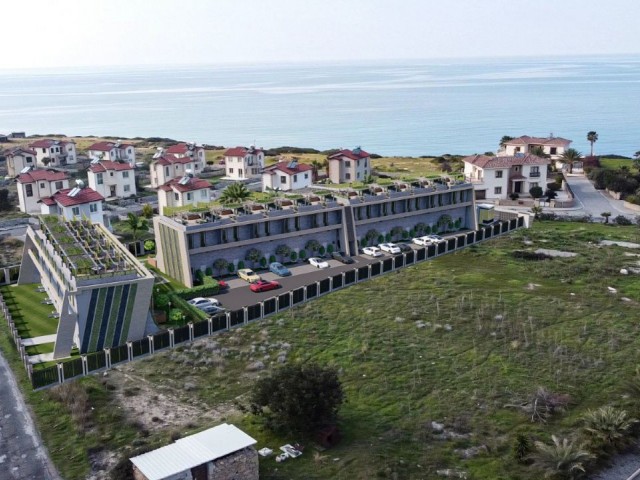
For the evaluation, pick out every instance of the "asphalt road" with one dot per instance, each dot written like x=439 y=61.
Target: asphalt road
x=594 y=202
x=22 y=455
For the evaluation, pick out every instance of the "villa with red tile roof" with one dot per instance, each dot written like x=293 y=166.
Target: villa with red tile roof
x=112 y=179
x=179 y=192
x=552 y=146
x=499 y=177
x=167 y=166
x=191 y=150
x=59 y=152
x=113 y=151
x=19 y=158
x=287 y=175
x=75 y=203
x=35 y=184
x=348 y=166
x=242 y=163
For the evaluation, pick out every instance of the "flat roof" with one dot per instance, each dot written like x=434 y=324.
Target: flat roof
x=192 y=451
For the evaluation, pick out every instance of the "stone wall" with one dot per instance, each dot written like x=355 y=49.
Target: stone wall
x=241 y=465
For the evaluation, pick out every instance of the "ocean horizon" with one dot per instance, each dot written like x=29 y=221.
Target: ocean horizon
x=413 y=108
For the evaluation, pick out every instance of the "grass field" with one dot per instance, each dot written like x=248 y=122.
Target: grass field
x=616 y=163
x=30 y=314
x=455 y=340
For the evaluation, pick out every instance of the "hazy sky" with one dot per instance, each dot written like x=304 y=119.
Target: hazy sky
x=46 y=33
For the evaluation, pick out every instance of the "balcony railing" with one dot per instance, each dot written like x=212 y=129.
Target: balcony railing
x=534 y=174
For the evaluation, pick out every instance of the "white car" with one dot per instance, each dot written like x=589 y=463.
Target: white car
x=435 y=238
x=372 y=251
x=203 y=303
x=389 y=248
x=318 y=262
x=422 y=241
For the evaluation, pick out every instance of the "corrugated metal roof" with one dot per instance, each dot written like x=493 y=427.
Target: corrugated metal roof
x=192 y=451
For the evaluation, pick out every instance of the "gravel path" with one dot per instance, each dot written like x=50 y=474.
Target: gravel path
x=623 y=466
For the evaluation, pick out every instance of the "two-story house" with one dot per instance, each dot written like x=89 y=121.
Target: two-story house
x=180 y=192
x=56 y=152
x=18 y=159
x=348 y=166
x=287 y=176
x=552 y=146
x=500 y=177
x=33 y=185
x=166 y=167
x=112 y=179
x=114 y=151
x=191 y=150
x=75 y=203
x=242 y=163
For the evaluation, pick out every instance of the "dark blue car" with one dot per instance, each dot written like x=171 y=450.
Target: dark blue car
x=279 y=269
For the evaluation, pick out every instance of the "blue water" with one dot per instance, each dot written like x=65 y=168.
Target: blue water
x=408 y=108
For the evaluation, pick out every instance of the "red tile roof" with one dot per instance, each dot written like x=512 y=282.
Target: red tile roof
x=193 y=184
x=485 y=161
x=47 y=142
x=181 y=148
x=33 y=176
x=355 y=154
x=527 y=140
x=284 y=167
x=19 y=151
x=108 y=146
x=169 y=159
x=105 y=165
x=241 y=151
x=86 y=195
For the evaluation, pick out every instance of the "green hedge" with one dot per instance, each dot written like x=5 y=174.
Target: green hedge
x=200 y=291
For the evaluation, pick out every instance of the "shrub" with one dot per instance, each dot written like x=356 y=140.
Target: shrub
x=209 y=271
x=302 y=254
x=521 y=448
x=330 y=248
x=240 y=265
x=536 y=192
x=563 y=458
x=200 y=291
x=175 y=315
x=230 y=268
x=321 y=250
x=263 y=262
x=621 y=220
x=514 y=196
x=380 y=238
x=293 y=256
x=608 y=429
x=272 y=258
x=149 y=245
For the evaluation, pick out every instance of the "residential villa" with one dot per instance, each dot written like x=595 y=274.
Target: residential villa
x=499 y=177
x=242 y=163
x=18 y=159
x=347 y=166
x=35 y=184
x=79 y=202
x=58 y=152
x=190 y=150
x=181 y=192
x=220 y=453
x=286 y=176
x=166 y=166
x=112 y=179
x=552 y=146
x=187 y=242
x=113 y=151
x=99 y=291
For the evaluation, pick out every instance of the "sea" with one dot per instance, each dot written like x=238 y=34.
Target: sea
x=392 y=108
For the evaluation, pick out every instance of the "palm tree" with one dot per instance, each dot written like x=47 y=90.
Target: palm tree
x=136 y=224
x=504 y=140
x=592 y=137
x=569 y=156
x=563 y=458
x=235 y=193
x=608 y=428
x=539 y=152
x=606 y=216
x=636 y=161
x=315 y=168
x=536 y=210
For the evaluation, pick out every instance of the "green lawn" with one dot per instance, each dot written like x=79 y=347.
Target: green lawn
x=616 y=163
x=29 y=313
x=39 y=349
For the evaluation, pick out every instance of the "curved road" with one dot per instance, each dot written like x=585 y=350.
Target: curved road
x=22 y=455
x=594 y=202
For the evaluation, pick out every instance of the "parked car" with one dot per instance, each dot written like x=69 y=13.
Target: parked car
x=279 y=269
x=372 y=251
x=222 y=285
x=422 y=241
x=264 y=285
x=435 y=238
x=342 y=257
x=389 y=248
x=201 y=302
x=212 y=310
x=318 y=262
x=248 y=275
x=404 y=247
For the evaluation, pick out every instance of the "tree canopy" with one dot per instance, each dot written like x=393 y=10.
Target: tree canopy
x=298 y=399
x=235 y=193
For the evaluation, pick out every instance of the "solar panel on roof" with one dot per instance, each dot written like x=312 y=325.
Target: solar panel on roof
x=75 y=191
x=183 y=180
x=25 y=169
x=293 y=164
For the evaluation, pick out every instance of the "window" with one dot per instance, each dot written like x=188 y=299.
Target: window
x=176 y=196
x=365 y=163
x=29 y=190
x=130 y=151
x=59 y=185
x=189 y=196
x=127 y=188
x=534 y=172
x=125 y=174
x=75 y=211
x=41 y=184
x=99 y=179
x=44 y=150
x=231 y=170
x=283 y=179
x=358 y=175
x=29 y=159
x=93 y=207
x=111 y=174
x=306 y=175
x=347 y=164
x=166 y=171
x=498 y=173
x=204 y=193
x=240 y=172
x=517 y=149
x=553 y=150
x=295 y=178
x=533 y=184
x=347 y=176
x=516 y=169
x=497 y=190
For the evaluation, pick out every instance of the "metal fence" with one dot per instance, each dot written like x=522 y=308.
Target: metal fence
x=86 y=364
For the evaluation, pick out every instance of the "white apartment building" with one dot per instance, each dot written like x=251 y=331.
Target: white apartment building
x=180 y=192
x=242 y=163
x=347 y=166
x=75 y=203
x=18 y=159
x=59 y=152
x=33 y=185
x=112 y=179
x=114 y=151
x=287 y=176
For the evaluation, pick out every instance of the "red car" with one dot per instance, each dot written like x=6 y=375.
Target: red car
x=222 y=285
x=263 y=286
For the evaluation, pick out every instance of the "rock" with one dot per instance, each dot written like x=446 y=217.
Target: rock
x=625 y=299
x=286 y=345
x=612 y=290
x=420 y=324
x=437 y=427
x=471 y=452
x=282 y=358
x=399 y=319
x=280 y=322
x=624 y=271
x=448 y=327
x=450 y=473
x=189 y=386
x=255 y=366
x=498 y=318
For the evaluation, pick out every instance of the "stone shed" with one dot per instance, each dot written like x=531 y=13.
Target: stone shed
x=220 y=453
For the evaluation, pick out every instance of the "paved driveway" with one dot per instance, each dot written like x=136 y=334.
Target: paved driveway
x=22 y=455
x=593 y=202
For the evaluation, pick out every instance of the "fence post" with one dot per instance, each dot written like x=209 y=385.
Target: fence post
x=171 y=338
x=291 y=299
x=228 y=320
x=151 y=345
x=331 y=284
x=304 y=293
x=318 y=289
x=245 y=315
x=107 y=356
x=191 y=331
x=261 y=309
x=210 y=324
x=60 y=373
x=130 y=351
x=277 y=303
x=85 y=365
